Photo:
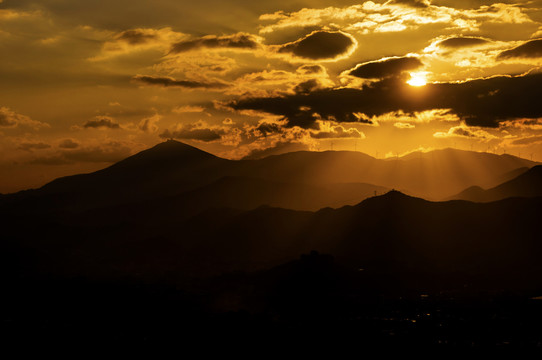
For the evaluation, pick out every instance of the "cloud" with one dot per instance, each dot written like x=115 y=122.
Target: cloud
x=307 y=86
x=385 y=67
x=239 y=41
x=273 y=82
x=462 y=42
x=31 y=146
x=530 y=49
x=171 y=82
x=481 y=102
x=11 y=119
x=200 y=131
x=465 y=132
x=137 y=36
x=522 y=124
x=311 y=69
x=370 y=17
x=133 y=41
x=188 y=109
x=321 y=45
x=148 y=124
x=68 y=144
x=401 y=125
x=411 y=3
x=101 y=122
x=329 y=130
x=8 y=118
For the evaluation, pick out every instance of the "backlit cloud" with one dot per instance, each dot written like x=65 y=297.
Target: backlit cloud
x=461 y=42
x=482 y=102
x=321 y=45
x=11 y=119
x=239 y=41
x=200 y=131
x=171 y=82
x=101 y=122
x=530 y=49
x=466 y=132
x=385 y=67
x=329 y=130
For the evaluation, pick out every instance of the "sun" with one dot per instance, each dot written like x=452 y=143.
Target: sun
x=417 y=79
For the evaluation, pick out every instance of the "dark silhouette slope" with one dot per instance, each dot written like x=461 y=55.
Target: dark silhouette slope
x=407 y=243
x=528 y=184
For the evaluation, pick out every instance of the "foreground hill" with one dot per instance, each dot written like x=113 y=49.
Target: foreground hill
x=408 y=243
x=300 y=180
x=527 y=184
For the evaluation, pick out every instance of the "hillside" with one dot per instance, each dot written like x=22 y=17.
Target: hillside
x=527 y=184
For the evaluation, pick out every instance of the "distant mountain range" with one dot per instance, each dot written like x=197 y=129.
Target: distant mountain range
x=180 y=175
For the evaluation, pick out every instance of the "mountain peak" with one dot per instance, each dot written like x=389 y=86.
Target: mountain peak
x=170 y=150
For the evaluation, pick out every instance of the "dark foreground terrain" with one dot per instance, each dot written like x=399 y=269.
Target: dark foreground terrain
x=311 y=303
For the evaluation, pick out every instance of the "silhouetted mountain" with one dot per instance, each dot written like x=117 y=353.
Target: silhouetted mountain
x=300 y=180
x=408 y=243
x=528 y=184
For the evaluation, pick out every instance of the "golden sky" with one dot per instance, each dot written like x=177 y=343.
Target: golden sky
x=87 y=83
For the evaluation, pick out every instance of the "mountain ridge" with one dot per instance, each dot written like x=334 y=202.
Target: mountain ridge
x=173 y=168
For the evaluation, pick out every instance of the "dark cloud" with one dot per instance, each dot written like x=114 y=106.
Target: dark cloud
x=384 y=68
x=266 y=128
x=196 y=131
x=236 y=41
x=531 y=49
x=307 y=86
x=412 y=3
x=460 y=42
x=135 y=37
x=30 y=146
x=102 y=122
x=482 y=102
x=171 y=82
x=68 y=144
x=311 y=69
x=320 y=45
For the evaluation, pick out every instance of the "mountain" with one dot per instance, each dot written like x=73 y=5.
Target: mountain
x=433 y=175
x=406 y=242
x=298 y=180
x=528 y=184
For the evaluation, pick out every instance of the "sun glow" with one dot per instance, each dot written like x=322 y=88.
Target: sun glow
x=417 y=79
